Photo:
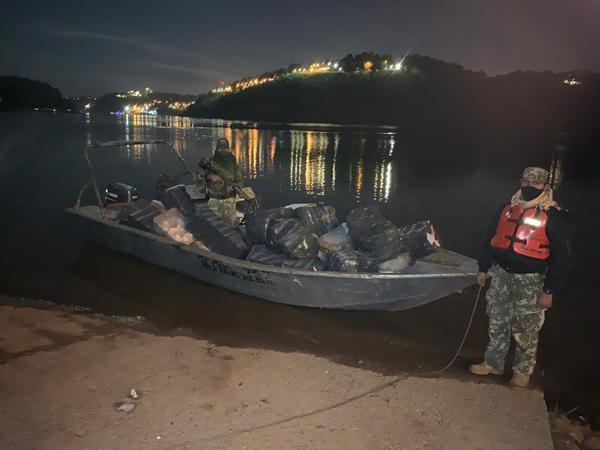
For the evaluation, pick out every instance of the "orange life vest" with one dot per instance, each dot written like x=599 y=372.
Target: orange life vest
x=524 y=230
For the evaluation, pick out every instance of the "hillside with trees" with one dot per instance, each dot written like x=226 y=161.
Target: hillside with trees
x=21 y=93
x=425 y=94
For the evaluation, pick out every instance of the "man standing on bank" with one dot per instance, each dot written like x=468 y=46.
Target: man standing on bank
x=527 y=253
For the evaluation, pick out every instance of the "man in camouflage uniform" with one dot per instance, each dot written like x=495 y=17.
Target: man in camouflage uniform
x=527 y=253
x=221 y=195
x=512 y=308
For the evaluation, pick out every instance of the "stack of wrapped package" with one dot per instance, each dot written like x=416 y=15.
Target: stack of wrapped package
x=306 y=237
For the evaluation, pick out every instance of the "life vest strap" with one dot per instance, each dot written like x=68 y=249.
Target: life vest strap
x=523 y=241
x=523 y=232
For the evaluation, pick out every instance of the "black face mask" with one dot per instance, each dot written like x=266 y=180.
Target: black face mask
x=529 y=192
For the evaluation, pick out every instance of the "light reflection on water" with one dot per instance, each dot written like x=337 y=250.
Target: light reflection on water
x=308 y=170
x=309 y=160
x=357 y=171
x=141 y=126
x=315 y=162
x=384 y=169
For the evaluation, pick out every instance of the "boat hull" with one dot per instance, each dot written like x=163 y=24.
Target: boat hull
x=389 y=292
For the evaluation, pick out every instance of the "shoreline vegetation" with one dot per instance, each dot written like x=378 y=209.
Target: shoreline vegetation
x=18 y=93
x=426 y=93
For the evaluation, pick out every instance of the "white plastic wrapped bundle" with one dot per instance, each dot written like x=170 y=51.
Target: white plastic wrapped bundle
x=169 y=219
x=172 y=224
x=181 y=235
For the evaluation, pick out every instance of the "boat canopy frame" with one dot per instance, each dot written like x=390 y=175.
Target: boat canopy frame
x=103 y=144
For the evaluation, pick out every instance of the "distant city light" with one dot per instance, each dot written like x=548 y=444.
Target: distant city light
x=317 y=67
x=572 y=81
x=147 y=105
x=136 y=93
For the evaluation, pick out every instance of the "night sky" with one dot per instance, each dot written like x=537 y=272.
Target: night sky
x=93 y=47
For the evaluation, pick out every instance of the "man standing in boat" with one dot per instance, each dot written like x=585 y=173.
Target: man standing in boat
x=527 y=253
x=220 y=178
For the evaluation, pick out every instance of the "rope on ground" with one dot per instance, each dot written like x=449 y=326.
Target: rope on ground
x=356 y=397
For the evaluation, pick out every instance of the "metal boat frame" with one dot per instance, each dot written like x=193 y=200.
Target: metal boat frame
x=421 y=283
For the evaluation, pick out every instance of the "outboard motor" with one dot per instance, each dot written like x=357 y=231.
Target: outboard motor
x=120 y=193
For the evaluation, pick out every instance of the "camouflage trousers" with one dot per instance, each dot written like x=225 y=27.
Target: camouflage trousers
x=511 y=307
x=224 y=208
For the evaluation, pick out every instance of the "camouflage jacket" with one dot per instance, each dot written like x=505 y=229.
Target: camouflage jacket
x=225 y=164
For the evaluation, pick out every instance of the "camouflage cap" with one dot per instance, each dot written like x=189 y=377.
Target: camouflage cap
x=535 y=175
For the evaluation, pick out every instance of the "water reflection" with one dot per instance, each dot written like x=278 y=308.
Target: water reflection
x=136 y=126
x=357 y=169
x=312 y=162
x=307 y=162
x=148 y=120
x=248 y=146
x=88 y=129
x=384 y=169
x=272 y=153
x=143 y=127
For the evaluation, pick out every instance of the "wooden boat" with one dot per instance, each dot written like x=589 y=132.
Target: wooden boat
x=431 y=278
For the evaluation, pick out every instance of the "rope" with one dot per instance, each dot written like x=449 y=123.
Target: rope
x=356 y=397
x=464 y=339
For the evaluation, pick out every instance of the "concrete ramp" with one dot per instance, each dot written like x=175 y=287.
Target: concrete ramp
x=62 y=373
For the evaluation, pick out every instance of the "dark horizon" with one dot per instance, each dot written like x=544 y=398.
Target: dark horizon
x=92 y=49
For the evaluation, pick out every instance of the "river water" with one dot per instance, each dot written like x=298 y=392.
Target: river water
x=457 y=180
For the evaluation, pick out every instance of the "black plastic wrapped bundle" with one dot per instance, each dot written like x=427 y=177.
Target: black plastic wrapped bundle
x=264 y=255
x=176 y=197
x=320 y=219
x=313 y=264
x=279 y=228
x=293 y=238
x=215 y=233
x=351 y=261
x=258 y=224
x=382 y=241
x=420 y=239
x=141 y=216
x=360 y=220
